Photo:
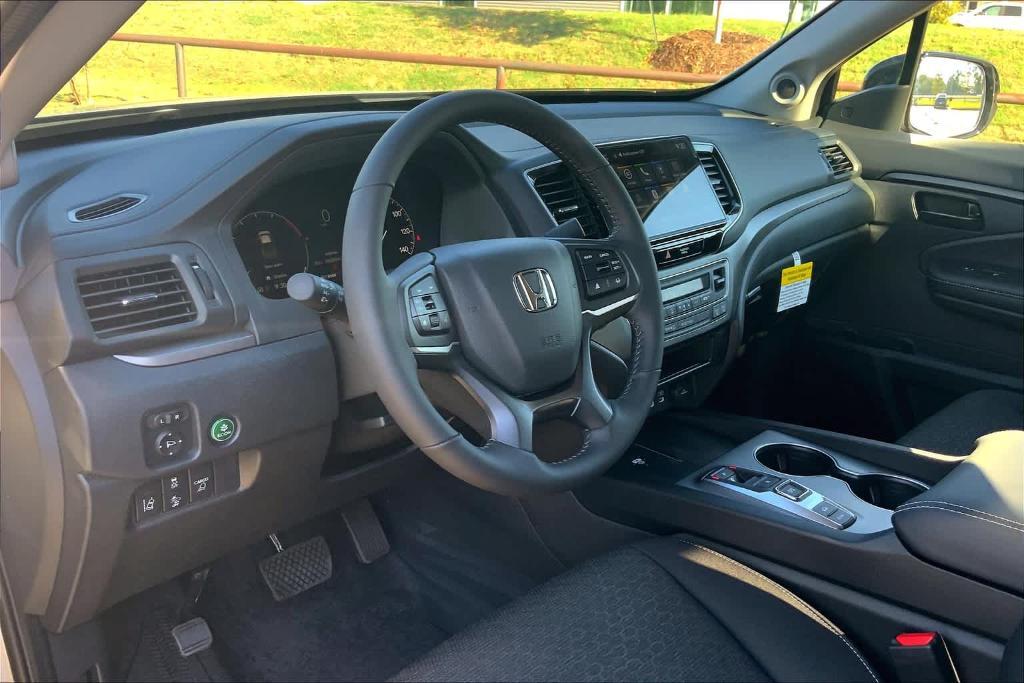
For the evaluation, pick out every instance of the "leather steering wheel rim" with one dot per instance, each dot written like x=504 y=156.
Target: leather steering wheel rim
x=375 y=303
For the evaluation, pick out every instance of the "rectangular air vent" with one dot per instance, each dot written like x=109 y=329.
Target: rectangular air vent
x=562 y=193
x=136 y=299
x=105 y=208
x=720 y=180
x=837 y=160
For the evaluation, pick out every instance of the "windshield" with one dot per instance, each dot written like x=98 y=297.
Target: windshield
x=190 y=50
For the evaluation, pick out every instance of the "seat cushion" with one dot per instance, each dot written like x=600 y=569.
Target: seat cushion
x=954 y=429
x=668 y=609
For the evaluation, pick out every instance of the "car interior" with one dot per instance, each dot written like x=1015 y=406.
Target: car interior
x=722 y=384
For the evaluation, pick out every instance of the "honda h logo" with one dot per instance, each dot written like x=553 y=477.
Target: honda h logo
x=535 y=289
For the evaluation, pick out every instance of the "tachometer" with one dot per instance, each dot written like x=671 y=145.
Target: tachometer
x=272 y=249
x=399 y=238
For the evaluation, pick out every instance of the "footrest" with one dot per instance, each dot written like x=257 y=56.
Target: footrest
x=297 y=568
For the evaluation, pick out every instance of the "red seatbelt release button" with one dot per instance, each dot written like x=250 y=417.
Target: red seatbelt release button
x=922 y=657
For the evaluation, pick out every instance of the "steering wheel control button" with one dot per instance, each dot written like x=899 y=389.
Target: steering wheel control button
x=434 y=323
x=201 y=485
x=223 y=429
x=425 y=286
x=792 y=490
x=148 y=501
x=598 y=264
x=425 y=304
x=170 y=444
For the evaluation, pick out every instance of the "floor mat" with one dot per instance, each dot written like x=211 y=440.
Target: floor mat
x=469 y=551
x=365 y=623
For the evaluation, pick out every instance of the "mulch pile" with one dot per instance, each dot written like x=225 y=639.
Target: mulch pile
x=696 y=52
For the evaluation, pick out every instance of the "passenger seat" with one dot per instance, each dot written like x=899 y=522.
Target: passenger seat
x=953 y=430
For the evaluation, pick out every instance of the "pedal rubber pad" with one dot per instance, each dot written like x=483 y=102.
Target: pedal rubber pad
x=367 y=534
x=298 y=568
x=192 y=636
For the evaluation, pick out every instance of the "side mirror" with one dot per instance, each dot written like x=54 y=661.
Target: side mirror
x=954 y=96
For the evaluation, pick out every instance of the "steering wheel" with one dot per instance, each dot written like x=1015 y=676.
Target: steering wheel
x=510 y=319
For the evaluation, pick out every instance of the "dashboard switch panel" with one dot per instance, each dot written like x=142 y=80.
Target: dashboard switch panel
x=181 y=490
x=167 y=433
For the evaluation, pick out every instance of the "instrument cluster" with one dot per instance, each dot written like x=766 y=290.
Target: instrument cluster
x=297 y=227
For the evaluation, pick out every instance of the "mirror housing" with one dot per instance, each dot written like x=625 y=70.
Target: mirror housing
x=930 y=114
x=954 y=95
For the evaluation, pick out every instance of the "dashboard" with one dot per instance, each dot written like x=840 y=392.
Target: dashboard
x=297 y=226
x=210 y=372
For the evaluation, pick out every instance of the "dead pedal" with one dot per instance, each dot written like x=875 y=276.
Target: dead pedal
x=367 y=534
x=297 y=569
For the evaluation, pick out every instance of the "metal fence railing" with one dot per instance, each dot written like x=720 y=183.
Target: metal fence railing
x=501 y=66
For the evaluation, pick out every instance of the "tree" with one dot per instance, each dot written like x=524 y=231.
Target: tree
x=718 y=21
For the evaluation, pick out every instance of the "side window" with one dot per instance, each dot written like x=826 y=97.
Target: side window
x=969 y=81
x=878 y=64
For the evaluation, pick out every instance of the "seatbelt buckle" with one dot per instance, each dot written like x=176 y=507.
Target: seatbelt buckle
x=922 y=657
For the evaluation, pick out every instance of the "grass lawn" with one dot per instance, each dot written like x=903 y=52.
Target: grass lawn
x=123 y=73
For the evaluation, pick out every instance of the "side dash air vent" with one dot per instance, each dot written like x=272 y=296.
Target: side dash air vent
x=562 y=193
x=105 y=208
x=135 y=299
x=720 y=180
x=837 y=160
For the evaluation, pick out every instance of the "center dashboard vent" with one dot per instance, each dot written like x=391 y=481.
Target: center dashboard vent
x=837 y=160
x=562 y=193
x=720 y=180
x=135 y=299
x=105 y=208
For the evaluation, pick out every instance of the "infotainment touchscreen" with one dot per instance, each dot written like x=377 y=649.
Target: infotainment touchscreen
x=671 y=191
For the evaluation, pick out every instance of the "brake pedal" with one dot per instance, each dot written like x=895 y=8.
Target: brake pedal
x=294 y=570
x=367 y=534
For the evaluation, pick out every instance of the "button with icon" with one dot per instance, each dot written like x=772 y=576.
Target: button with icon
x=175 y=490
x=201 y=481
x=223 y=429
x=148 y=501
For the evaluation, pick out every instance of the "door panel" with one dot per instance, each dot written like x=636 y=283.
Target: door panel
x=936 y=306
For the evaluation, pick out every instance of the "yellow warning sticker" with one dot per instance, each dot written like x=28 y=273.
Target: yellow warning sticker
x=795 y=285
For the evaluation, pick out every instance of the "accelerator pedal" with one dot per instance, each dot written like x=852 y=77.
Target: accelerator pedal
x=368 y=537
x=296 y=569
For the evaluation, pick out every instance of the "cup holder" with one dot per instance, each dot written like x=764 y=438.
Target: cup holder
x=881 y=490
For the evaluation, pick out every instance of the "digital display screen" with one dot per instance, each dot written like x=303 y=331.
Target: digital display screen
x=685 y=288
x=668 y=185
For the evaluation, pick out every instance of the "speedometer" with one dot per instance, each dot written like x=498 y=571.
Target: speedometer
x=399 y=239
x=272 y=249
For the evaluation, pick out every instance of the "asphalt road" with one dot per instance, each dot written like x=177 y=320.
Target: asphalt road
x=943 y=122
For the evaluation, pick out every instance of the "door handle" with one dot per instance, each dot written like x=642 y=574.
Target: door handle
x=948 y=211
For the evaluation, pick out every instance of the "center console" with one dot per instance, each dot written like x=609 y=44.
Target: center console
x=796 y=477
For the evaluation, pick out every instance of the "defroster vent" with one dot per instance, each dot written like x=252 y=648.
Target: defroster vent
x=562 y=193
x=136 y=299
x=105 y=208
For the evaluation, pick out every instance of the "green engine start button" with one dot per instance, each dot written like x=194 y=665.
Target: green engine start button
x=223 y=429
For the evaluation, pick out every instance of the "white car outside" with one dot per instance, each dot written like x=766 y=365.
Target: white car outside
x=1004 y=15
